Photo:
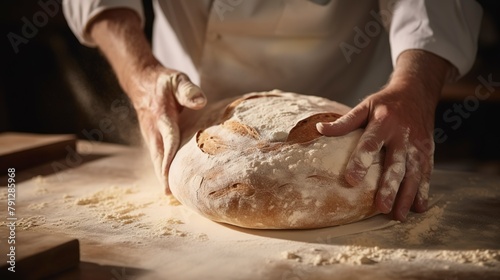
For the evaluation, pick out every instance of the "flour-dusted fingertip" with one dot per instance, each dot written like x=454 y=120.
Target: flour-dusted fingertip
x=320 y=126
x=386 y=205
x=402 y=214
x=196 y=99
x=338 y=127
x=354 y=176
x=324 y=127
x=421 y=205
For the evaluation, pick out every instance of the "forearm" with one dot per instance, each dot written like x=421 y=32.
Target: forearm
x=422 y=70
x=119 y=35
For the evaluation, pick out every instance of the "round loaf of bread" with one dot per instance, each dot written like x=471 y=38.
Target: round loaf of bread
x=259 y=162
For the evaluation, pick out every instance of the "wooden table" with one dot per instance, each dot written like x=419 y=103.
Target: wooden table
x=126 y=226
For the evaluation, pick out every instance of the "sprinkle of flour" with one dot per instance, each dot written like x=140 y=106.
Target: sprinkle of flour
x=40 y=180
x=116 y=208
x=424 y=226
x=27 y=223
x=357 y=255
x=128 y=209
x=37 y=206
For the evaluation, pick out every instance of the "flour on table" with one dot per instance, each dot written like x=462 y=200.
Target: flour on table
x=41 y=190
x=40 y=180
x=357 y=255
x=165 y=227
x=113 y=207
x=137 y=211
x=290 y=256
x=424 y=226
x=107 y=196
x=37 y=206
x=27 y=223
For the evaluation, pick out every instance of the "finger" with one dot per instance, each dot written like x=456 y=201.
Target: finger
x=155 y=147
x=365 y=153
x=170 y=134
x=392 y=176
x=188 y=94
x=427 y=164
x=409 y=187
x=356 y=118
x=421 y=201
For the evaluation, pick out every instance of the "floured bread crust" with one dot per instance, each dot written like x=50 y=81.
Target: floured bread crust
x=259 y=162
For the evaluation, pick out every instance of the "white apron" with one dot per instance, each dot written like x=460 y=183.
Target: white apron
x=262 y=45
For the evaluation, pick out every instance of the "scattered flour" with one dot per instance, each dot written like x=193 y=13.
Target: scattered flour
x=112 y=206
x=291 y=256
x=41 y=190
x=163 y=229
x=169 y=227
x=41 y=183
x=423 y=227
x=37 y=206
x=128 y=209
x=106 y=196
x=40 y=180
x=356 y=255
x=26 y=223
x=29 y=222
x=122 y=214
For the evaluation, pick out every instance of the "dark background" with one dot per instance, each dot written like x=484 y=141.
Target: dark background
x=55 y=85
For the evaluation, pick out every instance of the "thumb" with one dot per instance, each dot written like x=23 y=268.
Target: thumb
x=188 y=94
x=345 y=124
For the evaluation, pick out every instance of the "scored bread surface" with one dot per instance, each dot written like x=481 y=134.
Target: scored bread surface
x=259 y=162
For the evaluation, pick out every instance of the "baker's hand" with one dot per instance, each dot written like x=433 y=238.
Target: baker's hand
x=398 y=119
x=159 y=94
x=163 y=94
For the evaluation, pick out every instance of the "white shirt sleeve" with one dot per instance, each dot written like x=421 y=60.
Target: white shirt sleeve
x=447 y=28
x=79 y=13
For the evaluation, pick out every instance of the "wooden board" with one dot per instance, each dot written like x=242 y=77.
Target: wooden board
x=38 y=255
x=23 y=150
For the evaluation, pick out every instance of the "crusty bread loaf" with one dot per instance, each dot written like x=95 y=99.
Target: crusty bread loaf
x=261 y=163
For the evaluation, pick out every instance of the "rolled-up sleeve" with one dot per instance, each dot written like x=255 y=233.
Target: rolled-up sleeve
x=447 y=28
x=79 y=13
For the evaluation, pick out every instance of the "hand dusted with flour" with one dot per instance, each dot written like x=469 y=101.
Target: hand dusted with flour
x=158 y=94
x=259 y=162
